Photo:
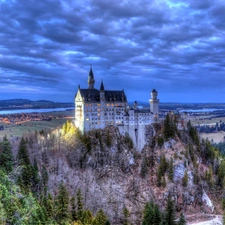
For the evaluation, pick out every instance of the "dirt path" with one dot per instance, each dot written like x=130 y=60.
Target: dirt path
x=214 y=221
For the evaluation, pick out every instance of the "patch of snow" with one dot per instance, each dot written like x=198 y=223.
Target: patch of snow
x=169 y=144
x=179 y=171
x=207 y=200
x=131 y=160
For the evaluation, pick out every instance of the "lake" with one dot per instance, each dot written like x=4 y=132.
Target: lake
x=16 y=111
x=199 y=110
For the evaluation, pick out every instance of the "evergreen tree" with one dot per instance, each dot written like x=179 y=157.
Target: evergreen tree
x=100 y=218
x=170 y=212
x=26 y=176
x=35 y=179
x=169 y=127
x=185 y=179
x=107 y=222
x=221 y=173
x=79 y=205
x=6 y=157
x=144 y=167
x=2 y=211
x=125 y=216
x=73 y=209
x=44 y=179
x=182 y=220
x=87 y=217
x=171 y=170
x=49 y=205
x=151 y=215
x=62 y=204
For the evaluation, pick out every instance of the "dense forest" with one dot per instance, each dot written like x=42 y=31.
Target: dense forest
x=46 y=177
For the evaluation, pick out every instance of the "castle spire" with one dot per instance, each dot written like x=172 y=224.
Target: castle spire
x=102 y=86
x=91 y=80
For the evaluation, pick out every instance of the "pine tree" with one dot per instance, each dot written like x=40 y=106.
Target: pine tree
x=125 y=216
x=100 y=218
x=79 y=205
x=87 y=217
x=62 y=204
x=35 y=179
x=170 y=212
x=185 y=179
x=221 y=173
x=49 y=206
x=44 y=179
x=24 y=161
x=169 y=128
x=151 y=215
x=73 y=209
x=182 y=220
x=170 y=170
x=6 y=157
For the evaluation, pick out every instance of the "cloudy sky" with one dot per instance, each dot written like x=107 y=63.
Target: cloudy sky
x=174 y=46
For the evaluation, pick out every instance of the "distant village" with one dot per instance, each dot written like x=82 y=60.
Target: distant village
x=20 y=118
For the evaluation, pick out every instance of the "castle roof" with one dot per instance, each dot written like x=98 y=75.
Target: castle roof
x=93 y=95
x=91 y=75
x=102 y=86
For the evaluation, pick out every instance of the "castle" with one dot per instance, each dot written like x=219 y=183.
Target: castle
x=95 y=109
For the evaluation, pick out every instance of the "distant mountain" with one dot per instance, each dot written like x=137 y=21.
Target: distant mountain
x=29 y=104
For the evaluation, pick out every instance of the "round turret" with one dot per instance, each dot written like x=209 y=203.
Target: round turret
x=154 y=94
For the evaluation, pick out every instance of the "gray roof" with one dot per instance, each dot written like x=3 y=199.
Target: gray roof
x=93 y=95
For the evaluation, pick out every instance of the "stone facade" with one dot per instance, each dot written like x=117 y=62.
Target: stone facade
x=95 y=109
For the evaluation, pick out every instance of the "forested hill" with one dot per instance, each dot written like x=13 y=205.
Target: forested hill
x=63 y=177
x=26 y=104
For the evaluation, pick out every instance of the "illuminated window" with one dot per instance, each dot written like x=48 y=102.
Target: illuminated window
x=98 y=110
x=98 y=122
x=112 y=105
x=98 y=114
x=86 y=104
x=108 y=104
x=98 y=104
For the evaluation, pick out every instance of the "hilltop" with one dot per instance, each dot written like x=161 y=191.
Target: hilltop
x=112 y=175
x=29 y=104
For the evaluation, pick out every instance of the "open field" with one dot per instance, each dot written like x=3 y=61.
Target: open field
x=13 y=131
x=206 y=120
x=216 y=137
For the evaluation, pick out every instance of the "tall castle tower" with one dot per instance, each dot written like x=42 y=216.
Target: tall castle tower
x=91 y=80
x=154 y=104
x=102 y=102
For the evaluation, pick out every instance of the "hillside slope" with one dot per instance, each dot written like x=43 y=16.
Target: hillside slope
x=112 y=175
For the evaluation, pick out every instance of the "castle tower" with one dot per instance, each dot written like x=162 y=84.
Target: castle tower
x=102 y=103
x=79 y=110
x=154 y=104
x=91 y=80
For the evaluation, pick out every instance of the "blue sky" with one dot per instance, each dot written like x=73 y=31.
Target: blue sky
x=176 y=47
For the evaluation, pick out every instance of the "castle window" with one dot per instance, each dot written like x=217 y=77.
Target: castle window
x=98 y=122
x=98 y=114
x=86 y=104
x=98 y=110
x=112 y=105
x=98 y=104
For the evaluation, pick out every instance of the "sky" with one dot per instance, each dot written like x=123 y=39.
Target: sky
x=174 y=46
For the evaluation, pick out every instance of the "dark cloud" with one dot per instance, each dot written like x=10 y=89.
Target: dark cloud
x=175 y=46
